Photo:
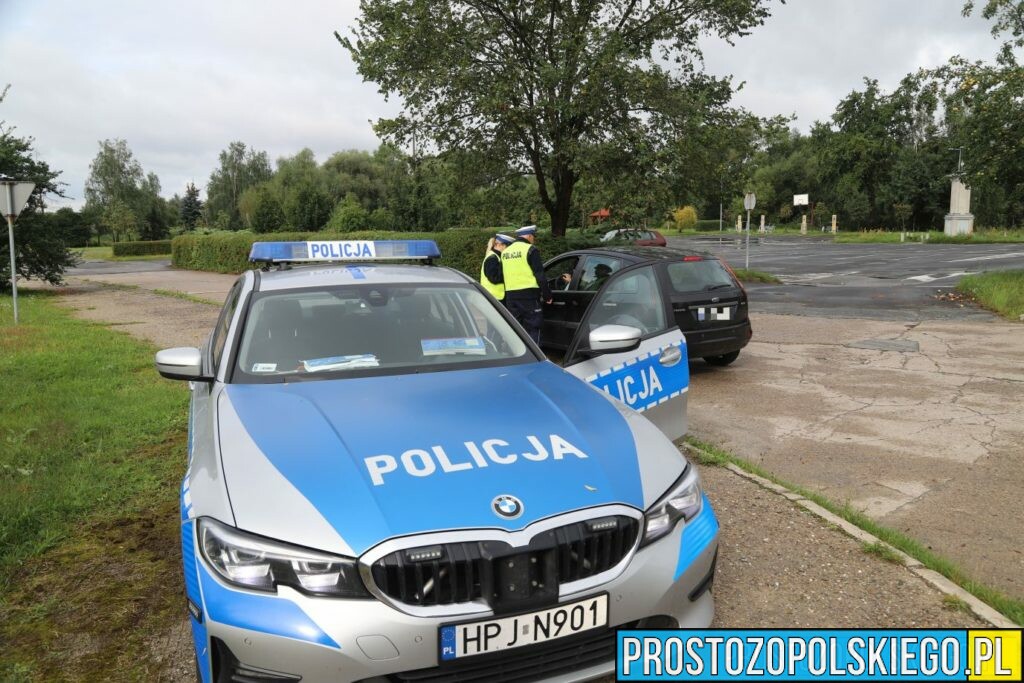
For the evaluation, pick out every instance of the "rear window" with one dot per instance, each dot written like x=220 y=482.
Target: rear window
x=372 y=330
x=697 y=276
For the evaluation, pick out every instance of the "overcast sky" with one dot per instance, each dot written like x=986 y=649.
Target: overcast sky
x=179 y=80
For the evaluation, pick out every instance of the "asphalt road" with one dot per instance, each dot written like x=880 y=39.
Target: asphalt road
x=118 y=267
x=879 y=281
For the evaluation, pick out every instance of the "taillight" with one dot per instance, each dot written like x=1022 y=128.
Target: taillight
x=693 y=258
x=740 y=284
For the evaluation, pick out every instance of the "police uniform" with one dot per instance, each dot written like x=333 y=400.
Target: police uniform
x=525 y=286
x=491 y=276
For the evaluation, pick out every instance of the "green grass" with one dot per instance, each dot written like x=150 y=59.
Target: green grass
x=1012 y=608
x=173 y=293
x=931 y=237
x=107 y=254
x=955 y=604
x=882 y=551
x=750 y=275
x=1002 y=292
x=91 y=446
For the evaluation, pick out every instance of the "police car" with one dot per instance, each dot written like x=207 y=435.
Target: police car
x=388 y=481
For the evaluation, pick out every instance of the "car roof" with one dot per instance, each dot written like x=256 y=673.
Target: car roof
x=636 y=254
x=334 y=274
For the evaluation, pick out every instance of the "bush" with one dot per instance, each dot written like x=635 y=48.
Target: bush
x=709 y=225
x=153 y=247
x=685 y=218
x=460 y=249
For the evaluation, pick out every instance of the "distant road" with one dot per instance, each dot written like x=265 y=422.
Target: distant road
x=882 y=281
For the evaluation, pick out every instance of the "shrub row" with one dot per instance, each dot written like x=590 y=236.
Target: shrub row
x=707 y=225
x=460 y=249
x=142 y=248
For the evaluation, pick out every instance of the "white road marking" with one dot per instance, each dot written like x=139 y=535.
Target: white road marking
x=991 y=257
x=931 y=278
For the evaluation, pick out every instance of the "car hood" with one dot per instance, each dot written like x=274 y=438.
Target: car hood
x=342 y=465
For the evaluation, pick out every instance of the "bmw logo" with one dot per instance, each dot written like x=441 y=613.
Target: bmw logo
x=507 y=507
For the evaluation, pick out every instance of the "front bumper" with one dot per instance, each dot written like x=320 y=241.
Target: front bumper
x=321 y=639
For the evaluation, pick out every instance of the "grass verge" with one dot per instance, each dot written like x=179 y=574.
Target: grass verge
x=930 y=237
x=1013 y=609
x=186 y=296
x=91 y=446
x=1002 y=292
x=107 y=254
x=749 y=275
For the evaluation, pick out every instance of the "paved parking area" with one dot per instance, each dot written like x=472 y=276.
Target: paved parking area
x=917 y=424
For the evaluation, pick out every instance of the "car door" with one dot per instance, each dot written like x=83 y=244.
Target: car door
x=202 y=427
x=652 y=379
x=559 y=324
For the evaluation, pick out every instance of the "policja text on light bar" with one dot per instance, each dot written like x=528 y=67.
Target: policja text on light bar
x=343 y=250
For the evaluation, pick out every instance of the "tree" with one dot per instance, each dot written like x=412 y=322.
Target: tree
x=685 y=218
x=120 y=192
x=348 y=216
x=41 y=246
x=1008 y=16
x=307 y=208
x=267 y=215
x=240 y=168
x=191 y=207
x=71 y=225
x=541 y=84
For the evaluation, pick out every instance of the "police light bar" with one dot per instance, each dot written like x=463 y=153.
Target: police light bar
x=343 y=250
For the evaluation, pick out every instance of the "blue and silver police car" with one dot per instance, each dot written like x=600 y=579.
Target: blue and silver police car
x=388 y=481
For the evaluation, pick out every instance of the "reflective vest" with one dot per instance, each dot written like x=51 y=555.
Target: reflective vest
x=517 y=271
x=497 y=291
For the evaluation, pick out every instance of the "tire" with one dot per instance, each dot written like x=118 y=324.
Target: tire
x=723 y=360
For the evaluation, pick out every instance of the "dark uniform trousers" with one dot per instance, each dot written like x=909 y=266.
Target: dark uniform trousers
x=527 y=310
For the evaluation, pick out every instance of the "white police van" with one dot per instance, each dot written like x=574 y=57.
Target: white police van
x=387 y=481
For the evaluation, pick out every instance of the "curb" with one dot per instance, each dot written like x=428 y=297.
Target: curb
x=936 y=580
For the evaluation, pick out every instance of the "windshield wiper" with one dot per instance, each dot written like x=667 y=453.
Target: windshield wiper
x=711 y=288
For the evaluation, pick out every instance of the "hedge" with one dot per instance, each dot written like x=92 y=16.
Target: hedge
x=707 y=225
x=157 y=247
x=460 y=249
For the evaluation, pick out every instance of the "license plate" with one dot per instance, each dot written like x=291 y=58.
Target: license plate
x=714 y=314
x=495 y=635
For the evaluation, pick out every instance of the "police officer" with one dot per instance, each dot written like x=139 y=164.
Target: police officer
x=490 y=270
x=525 y=285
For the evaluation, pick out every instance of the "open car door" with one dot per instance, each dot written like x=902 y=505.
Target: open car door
x=629 y=346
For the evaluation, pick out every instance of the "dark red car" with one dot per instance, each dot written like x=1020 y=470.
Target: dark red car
x=639 y=238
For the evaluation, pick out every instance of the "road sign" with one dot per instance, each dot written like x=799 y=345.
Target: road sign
x=801 y=199
x=13 y=195
x=748 y=201
x=13 y=201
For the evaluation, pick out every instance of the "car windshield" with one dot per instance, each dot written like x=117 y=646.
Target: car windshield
x=696 y=276
x=372 y=330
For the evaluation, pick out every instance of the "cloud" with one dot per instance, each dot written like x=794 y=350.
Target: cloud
x=810 y=54
x=180 y=80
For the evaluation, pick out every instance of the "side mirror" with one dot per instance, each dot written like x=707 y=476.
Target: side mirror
x=184 y=362
x=612 y=338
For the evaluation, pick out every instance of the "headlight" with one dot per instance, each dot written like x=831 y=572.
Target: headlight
x=682 y=501
x=257 y=563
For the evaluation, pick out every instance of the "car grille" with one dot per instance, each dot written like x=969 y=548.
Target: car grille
x=503 y=576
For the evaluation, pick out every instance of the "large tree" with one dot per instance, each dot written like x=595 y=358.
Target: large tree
x=127 y=199
x=540 y=85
